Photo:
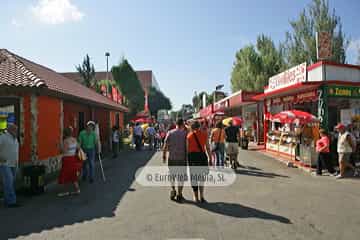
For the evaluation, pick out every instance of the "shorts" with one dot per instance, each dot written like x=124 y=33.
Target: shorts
x=344 y=157
x=178 y=173
x=231 y=148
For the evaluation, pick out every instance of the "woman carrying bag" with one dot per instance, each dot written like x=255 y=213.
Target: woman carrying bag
x=198 y=151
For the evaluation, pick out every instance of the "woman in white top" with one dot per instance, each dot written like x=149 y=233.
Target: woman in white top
x=71 y=165
x=344 y=149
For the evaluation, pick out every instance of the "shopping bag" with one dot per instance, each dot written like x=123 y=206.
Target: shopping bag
x=81 y=155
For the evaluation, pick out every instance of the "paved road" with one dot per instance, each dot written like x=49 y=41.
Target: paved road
x=267 y=201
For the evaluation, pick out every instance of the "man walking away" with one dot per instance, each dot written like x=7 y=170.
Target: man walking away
x=138 y=133
x=9 y=157
x=175 y=144
x=88 y=142
x=344 y=149
x=232 y=137
x=151 y=135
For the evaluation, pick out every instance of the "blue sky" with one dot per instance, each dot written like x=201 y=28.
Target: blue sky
x=189 y=44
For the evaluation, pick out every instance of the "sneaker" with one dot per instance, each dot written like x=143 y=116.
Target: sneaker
x=172 y=195
x=339 y=177
x=316 y=174
x=356 y=173
x=180 y=198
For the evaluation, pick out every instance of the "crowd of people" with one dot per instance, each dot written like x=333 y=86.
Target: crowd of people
x=223 y=140
x=184 y=145
x=154 y=134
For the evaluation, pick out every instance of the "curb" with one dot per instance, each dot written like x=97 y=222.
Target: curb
x=288 y=163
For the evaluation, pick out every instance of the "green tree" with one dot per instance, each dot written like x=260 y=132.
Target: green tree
x=186 y=111
x=300 y=44
x=271 y=57
x=87 y=71
x=196 y=101
x=107 y=83
x=129 y=85
x=209 y=99
x=247 y=70
x=157 y=101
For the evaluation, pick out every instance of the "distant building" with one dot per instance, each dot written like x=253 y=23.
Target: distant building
x=146 y=78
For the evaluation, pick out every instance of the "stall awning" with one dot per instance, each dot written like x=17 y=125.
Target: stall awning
x=296 y=88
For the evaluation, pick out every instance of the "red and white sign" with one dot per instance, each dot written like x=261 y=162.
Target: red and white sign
x=207 y=111
x=310 y=96
x=221 y=106
x=323 y=45
x=290 y=77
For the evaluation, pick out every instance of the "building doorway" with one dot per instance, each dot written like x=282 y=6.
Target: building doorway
x=81 y=121
x=9 y=112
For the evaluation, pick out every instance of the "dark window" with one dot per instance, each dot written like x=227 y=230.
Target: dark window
x=81 y=121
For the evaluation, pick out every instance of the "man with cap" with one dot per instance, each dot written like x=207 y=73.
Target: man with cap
x=88 y=142
x=9 y=157
x=344 y=149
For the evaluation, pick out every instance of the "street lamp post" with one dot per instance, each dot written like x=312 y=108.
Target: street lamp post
x=107 y=55
x=218 y=87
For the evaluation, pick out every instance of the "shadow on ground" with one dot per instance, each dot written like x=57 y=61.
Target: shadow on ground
x=259 y=174
x=250 y=167
x=97 y=200
x=239 y=211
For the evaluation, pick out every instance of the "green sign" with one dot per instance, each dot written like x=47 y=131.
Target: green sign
x=343 y=91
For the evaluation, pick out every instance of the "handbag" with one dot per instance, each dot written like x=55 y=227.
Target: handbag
x=81 y=155
x=215 y=146
x=201 y=158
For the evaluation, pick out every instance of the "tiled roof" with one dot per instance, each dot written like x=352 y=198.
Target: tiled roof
x=14 y=72
x=18 y=71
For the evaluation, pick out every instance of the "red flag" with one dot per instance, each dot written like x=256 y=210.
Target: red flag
x=114 y=94
x=103 y=90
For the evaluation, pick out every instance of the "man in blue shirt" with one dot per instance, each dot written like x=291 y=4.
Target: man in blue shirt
x=9 y=157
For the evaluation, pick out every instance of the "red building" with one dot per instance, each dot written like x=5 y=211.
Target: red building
x=43 y=102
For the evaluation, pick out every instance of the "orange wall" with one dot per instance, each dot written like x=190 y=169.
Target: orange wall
x=48 y=136
x=71 y=115
x=102 y=117
x=113 y=119
x=121 y=120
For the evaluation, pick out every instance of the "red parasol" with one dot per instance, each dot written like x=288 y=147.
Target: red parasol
x=143 y=120
x=293 y=116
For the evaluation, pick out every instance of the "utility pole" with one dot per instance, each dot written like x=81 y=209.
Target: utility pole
x=107 y=55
